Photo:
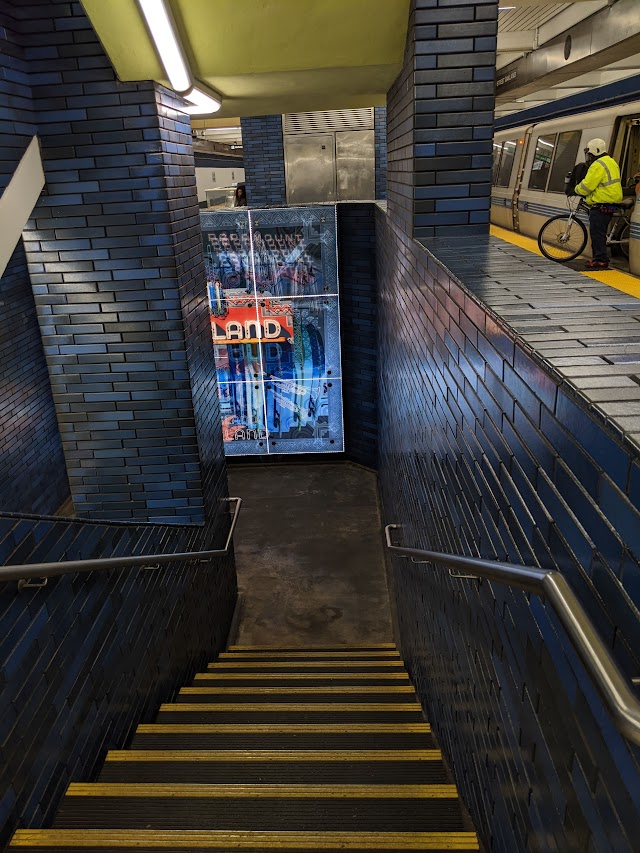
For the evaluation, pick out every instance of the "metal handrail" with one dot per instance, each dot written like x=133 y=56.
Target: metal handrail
x=65 y=567
x=613 y=686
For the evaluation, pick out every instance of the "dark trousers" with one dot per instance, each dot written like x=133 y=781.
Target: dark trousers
x=598 y=225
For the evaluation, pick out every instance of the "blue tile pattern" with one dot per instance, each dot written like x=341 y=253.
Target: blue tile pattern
x=32 y=469
x=87 y=658
x=440 y=119
x=380 y=137
x=116 y=264
x=116 y=267
x=487 y=450
x=358 y=307
x=263 y=147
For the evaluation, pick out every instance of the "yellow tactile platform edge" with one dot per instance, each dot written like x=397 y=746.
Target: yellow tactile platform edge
x=614 y=278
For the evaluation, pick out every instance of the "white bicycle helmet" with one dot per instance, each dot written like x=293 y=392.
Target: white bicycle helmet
x=596 y=147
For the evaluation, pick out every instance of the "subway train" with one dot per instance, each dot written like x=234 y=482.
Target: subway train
x=531 y=162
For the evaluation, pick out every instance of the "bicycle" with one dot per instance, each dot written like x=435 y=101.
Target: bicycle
x=564 y=237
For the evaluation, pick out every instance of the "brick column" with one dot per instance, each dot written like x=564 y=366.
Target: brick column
x=263 y=147
x=440 y=119
x=115 y=258
x=380 y=134
x=32 y=470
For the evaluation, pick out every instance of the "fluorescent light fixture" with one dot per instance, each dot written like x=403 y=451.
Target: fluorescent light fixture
x=162 y=31
x=202 y=103
x=505 y=8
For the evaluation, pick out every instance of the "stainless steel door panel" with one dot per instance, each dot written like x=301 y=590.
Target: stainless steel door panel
x=355 y=164
x=310 y=168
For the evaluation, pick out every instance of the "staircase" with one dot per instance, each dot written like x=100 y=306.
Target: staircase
x=294 y=750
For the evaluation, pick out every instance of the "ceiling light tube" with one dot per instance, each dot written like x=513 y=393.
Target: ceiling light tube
x=166 y=41
x=202 y=101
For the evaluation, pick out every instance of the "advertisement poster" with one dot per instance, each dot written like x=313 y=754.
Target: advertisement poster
x=272 y=284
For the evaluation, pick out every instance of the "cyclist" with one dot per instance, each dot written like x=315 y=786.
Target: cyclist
x=602 y=189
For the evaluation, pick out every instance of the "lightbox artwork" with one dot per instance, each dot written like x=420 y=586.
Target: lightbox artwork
x=272 y=281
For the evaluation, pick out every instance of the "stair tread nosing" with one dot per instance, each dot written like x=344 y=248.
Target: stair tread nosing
x=148 y=841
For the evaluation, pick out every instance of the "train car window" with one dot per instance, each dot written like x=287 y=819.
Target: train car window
x=497 y=153
x=506 y=164
x=543 y=155
x=565 y=159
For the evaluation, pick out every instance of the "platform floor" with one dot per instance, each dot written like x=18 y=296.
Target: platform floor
x=614 y=277
x=586 y=332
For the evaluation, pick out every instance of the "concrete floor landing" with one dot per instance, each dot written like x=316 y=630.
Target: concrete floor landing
x=309 y=555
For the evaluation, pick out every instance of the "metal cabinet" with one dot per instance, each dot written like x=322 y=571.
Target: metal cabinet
x=310 y=168
x=355 y=165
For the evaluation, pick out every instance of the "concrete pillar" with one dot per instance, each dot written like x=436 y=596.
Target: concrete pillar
x=115 y=258
x=263 y=147
x=440 y=119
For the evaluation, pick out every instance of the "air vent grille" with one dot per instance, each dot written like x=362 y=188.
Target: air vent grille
x=329 y=120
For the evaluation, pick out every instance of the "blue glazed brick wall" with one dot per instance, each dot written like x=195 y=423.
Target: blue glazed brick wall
x=440 y=119
x=358 y=318
x=263 y=148
x=116 y=265
x=482 y=453
x=32 y=470
x=87 y=658
x=380 y=135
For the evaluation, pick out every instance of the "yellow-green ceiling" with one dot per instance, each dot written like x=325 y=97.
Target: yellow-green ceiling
x=268 y=56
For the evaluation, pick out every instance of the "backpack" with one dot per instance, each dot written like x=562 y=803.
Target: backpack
x=574 y=177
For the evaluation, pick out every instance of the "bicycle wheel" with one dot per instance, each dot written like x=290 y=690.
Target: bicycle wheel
x=562 y=238
x=624 y=239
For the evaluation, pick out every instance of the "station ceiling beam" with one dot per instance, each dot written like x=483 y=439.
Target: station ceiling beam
x=609 y=35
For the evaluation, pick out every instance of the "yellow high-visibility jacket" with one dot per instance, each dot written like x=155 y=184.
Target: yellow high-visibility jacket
x=601 y=184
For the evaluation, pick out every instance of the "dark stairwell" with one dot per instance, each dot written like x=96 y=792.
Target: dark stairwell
x=307 y=734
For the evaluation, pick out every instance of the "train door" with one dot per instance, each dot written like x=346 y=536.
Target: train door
x=524 y=151
x=626 y=147
x=626 y=152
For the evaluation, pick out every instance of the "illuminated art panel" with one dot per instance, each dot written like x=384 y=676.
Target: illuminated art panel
x=272 y=282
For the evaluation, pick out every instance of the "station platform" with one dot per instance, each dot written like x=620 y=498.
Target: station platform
x=583 y=327
x=614 y=277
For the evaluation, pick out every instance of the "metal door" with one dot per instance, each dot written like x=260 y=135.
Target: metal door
x=310 y=168
x=355 y=164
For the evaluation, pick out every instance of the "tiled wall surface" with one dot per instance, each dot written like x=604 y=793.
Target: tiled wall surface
x=380 y=136
x=263 y=147
x=32 y=470
x=440 y=119
x=358 y=309
x=116 y=265
x=482 y=453
x=87 y=658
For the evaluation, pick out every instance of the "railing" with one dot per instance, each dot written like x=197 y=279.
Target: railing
x=613 y=686
x=42 y=571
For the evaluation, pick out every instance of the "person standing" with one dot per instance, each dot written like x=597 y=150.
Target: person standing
x=602 y=189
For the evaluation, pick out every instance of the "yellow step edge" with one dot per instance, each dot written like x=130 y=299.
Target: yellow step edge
x=243 y=840
x=310 y=707
x=242 y=664
x=311 y=654
x=312 y=648
x=284 y=728
x=230 y=791
x=276 y=691
x=257 y=755
x=342 y=676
